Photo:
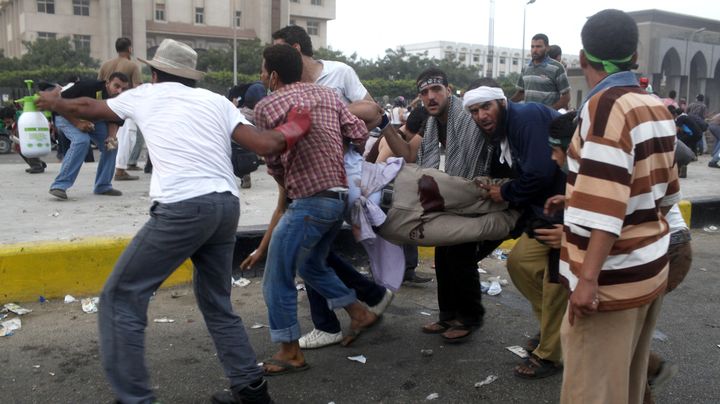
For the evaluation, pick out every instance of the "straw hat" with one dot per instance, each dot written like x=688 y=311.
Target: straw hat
x=175 y=58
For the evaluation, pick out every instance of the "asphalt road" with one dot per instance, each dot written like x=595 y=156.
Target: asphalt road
x=54 y=357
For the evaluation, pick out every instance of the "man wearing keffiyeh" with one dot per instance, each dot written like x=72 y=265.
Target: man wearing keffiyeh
x=522 y=132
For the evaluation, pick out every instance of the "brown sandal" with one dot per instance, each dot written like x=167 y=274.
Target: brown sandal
x=437 y=327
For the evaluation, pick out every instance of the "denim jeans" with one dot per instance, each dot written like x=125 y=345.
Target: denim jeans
x=75 y=155
x=715 y=131
x=202 y=229
x=300 y=244
x=366 y=290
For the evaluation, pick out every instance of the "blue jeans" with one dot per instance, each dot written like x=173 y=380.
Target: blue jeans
x=715 y=131
x=202 y=229
x=75 y=155
x=300 y=244
x=367 y=291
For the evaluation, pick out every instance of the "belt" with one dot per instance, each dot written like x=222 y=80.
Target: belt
x=340 y=195
x=680 y=236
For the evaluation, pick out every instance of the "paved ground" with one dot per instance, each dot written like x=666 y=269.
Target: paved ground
x=54 y=357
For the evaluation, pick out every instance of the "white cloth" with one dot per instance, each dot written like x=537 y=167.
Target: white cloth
x=126 y=137
x=675 y=220
x=343 y=79
x=481 y=95
x=396 y=115
x=187 y=131
x=387 y=262
x=505 y=155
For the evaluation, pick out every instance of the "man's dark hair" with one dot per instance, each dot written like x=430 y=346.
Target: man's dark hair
x=285 y=61
x=672 y=94
x=610 y=35
x=563 y=127
x=293 y=34
x=432 y=72
x=700 y=98
x=163 y=77
x=541 y=37
x=674 y=111
x=554 y=52
x=7 y=113
x=123 y=44
x=120 y=76
x=483 y=82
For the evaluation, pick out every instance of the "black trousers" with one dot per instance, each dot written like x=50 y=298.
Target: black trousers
x=458 y=281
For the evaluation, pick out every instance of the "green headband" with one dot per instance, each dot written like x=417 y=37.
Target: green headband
x=610 y=66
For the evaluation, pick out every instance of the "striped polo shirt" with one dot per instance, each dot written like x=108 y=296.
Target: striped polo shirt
x=621 y=171
x=544 y=83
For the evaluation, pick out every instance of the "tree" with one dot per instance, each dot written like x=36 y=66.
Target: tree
x=55 y=53
x=249 y=58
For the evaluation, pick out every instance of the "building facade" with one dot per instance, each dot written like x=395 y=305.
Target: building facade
x=202 y=24
x=496 y=63
x=676 y=52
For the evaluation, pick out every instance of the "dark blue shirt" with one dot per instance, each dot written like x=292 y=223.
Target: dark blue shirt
x=537 y=176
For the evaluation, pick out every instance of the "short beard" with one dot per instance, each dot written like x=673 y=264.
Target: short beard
x=499 y=132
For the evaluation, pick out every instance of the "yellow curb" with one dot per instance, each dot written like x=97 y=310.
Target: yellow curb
x=428 y=253
x=686 y=211
x=55 y=269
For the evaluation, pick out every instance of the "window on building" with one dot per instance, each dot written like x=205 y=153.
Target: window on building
x=489 y=59
x=461 y=57
x=46 y=6
x=159 y=11
x=47 y=35
x=316 y=2
x=81 y=7
x=238 y=14
x=515 y=62
x=81 y=42
x=313 y=27
x=502 y=61
x=292 y=22
x=199 y=15
x=449 y=55
x=476 y=58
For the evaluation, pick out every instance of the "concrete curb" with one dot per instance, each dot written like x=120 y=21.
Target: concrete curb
x=80 y=267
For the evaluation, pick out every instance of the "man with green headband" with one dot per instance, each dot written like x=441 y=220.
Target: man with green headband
x=621 y=182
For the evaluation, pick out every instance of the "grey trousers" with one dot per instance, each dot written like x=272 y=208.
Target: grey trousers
x=202 y=229
x=137 y=149
x=432 y=208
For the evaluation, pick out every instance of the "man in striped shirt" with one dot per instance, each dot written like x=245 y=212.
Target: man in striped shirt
x=543 y=80
x=614 y=252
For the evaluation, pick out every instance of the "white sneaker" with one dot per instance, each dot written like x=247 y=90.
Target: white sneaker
x=318 y=339
x=379 y=308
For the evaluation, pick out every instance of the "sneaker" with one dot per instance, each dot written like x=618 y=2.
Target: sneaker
x=414 y=278
x=318 y=339
x=59 y=193
x=659 y=381
x=379 y=308
x=35 y=170
x=110 y=192
x=246 y=182
x=714 y=164
x=256 y=393
x=124 y=176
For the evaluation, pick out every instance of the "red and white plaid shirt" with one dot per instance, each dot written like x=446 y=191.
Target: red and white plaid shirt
x=316 y=162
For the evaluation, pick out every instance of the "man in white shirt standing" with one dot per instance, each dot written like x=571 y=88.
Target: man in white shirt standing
x=194 y=215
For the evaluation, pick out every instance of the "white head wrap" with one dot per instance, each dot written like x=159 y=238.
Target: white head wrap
x=481 y=95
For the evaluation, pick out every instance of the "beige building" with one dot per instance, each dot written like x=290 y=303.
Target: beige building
x=676 y=52
x=203 y=24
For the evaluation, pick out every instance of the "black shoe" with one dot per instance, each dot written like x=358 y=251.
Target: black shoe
x=59 y=193
x=35 y=170
x=110 y=192
x=713 y=165
x=414 y=278
x=256 y=393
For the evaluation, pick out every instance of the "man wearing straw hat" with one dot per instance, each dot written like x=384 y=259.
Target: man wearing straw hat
x=194 y=215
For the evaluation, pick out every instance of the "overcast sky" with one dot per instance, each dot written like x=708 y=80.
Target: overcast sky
x=368 y=27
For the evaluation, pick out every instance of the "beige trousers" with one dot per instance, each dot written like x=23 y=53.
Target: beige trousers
x=606 y=355
x=432 y=208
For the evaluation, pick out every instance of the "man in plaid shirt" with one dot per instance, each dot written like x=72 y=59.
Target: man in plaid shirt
x=312 y=176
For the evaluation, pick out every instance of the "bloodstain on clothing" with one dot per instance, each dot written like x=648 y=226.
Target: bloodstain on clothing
x=429 y=193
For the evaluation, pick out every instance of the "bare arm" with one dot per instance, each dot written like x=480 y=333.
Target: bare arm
x=83 y=107
x=261 y=250
x=563 y=102
x=368 y=111
x=399 y=146
x=583 y=300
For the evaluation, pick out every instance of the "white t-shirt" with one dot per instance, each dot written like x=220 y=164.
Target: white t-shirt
x=187 y=131
x=343 y=79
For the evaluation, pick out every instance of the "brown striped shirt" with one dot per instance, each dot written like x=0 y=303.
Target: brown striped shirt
x=621 y=171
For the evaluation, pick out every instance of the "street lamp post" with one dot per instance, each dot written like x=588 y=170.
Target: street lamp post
x=522 y=55
x=233 y=17
x=687 y=64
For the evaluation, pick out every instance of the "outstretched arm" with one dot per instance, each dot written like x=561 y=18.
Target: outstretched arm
x=83 y=107
x=274 y=141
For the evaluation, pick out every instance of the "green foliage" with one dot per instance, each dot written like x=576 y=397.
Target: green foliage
x=221 y=82
x=16 y=78
x=508 y=83
x=249 y=57
x=55 y=53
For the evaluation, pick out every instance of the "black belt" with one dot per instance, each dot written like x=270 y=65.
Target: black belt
x=341 y=195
